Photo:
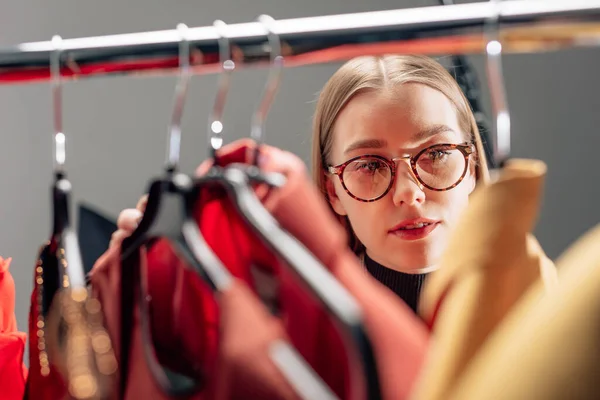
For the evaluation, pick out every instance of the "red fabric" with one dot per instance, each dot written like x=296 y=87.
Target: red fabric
x=41 y=387
x=230 y=347
x=13 y=373
x=308 y=325
x=106 y=284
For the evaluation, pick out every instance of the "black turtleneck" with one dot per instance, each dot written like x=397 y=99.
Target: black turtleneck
x=406 y=286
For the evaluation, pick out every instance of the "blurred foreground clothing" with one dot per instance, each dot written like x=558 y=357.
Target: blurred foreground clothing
x=491 y=261
x=13 y=373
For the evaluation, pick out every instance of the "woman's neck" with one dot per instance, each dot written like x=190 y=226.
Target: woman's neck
x=407 y=286
x=415 y=271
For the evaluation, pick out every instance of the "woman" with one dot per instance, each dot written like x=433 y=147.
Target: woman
x=396 y=152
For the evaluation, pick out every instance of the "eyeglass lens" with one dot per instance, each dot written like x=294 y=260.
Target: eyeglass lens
x=438 y=167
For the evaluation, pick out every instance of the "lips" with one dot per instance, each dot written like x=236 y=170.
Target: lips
x=415 y=226
x=414 y=229
x=415 y=223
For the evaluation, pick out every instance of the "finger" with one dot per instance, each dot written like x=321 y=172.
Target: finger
x=273 y=159
x=129 y=219
x=141 y=204
x=228 y=149
x=262 y=190
x=204 y=167
x=117 y=237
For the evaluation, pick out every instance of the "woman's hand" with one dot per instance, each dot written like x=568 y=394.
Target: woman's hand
x=127 y=222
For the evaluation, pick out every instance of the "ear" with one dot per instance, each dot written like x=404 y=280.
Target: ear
x=332 y=195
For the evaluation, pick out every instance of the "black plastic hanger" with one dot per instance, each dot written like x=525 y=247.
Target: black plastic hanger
x=237 y=180
x=168 y=215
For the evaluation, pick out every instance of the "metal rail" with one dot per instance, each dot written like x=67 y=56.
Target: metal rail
x=525 y=26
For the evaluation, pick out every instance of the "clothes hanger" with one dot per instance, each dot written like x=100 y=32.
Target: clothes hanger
x=85 y=366
x=63 y=241
x=175 y=221
x=257 y=131
x=168 y=215
x=290 y=363
x=237 y=180
x=215 y=123
x=466 y=77
x=168 y=211
x=495 y=78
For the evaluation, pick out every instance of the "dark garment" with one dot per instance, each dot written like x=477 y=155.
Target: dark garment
x=407 y=286
x=94 y=231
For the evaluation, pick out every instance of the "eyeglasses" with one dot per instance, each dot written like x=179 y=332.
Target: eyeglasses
x=439 y=167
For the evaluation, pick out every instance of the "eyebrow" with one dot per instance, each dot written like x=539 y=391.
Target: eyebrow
x=366 y=144
x=379 y=143
x=432 y=131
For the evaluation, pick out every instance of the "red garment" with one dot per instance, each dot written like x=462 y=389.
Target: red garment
x=185 y=317
x=13 y=373
x=51 y=386
x=239 y=355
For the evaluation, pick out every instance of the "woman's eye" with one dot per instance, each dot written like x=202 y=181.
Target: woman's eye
x=370 y=166
x=438 y=155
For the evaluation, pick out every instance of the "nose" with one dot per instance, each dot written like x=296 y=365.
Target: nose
x=407 y=188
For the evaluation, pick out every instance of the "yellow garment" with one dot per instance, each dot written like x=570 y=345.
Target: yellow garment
x=491 y=260
x=549 y=347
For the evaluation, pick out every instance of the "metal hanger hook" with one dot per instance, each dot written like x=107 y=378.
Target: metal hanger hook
x=60 y=153
x=495 y=77
x=273 y=81
x=215 y=122
x=174 y=140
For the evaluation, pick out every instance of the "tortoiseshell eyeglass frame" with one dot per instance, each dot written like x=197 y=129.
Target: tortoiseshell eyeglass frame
x=465 y=148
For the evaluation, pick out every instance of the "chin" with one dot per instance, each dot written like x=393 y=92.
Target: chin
x=413 y=256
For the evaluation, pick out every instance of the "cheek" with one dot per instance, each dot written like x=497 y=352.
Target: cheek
x=366 y=218
x=452 y=202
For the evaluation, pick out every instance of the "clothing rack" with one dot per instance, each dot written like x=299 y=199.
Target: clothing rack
x=524 y=26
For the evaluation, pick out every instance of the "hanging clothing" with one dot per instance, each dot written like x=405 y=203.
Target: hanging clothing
x=231 y=347
x=491 y=260
x=13 y=373
x=94 y=231
x=69 y=350
x=185 y=317
x=407 y=286
x=548 y=347
x=45 y=380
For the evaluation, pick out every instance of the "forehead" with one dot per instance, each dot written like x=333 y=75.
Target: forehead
x=404 y=117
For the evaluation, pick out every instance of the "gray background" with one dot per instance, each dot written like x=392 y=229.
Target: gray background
x=116 y=126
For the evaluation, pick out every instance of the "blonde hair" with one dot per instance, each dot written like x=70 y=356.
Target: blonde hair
x=375 y=73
